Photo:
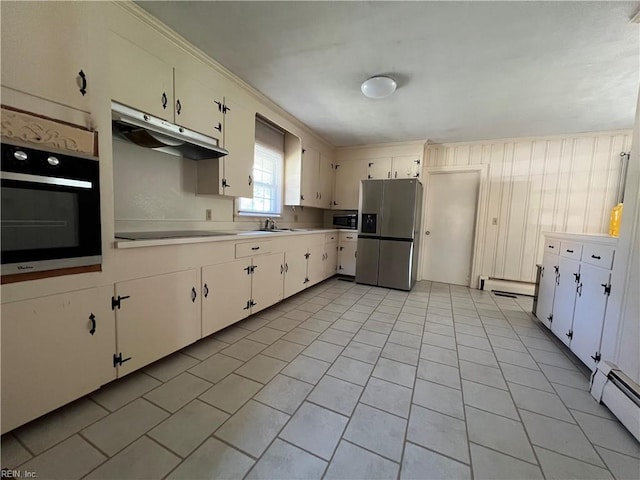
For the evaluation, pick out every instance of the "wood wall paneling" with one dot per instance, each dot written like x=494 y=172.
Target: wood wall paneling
x=563 y=184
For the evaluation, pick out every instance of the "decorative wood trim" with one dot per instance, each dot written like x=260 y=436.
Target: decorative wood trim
x=24 y=277
x=30 y=128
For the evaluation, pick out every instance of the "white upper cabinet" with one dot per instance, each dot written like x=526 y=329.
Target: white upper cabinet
x=239 y=139
x=309 y=176
x=45 y=50
x=139 y=79
x=199 y=101
x=407 y=166
x=327 y=180
x=347 y=185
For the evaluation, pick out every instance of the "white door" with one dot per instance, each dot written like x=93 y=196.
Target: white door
x=267 y=281
x=451 y=204
x=347 y=258
x=226 y=294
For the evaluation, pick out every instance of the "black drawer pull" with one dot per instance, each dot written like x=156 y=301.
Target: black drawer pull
x=569 y=251
x=83 y=87
x=255 y=248
x=92 y=317
x=597 y=257
x=551 y=246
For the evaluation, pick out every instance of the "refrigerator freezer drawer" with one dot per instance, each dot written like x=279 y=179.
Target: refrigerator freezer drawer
x=367 y=261
x=396 y=260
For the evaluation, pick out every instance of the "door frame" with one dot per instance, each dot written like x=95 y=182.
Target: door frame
x=481 y=211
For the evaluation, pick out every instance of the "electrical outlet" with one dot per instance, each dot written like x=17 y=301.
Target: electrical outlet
x=494 y=221
x=207 y=215
x=295 y=218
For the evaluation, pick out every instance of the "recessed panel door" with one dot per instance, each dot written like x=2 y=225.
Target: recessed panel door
x=267 y=282
x=565 y=298
x=226 y=291
x=547 y=288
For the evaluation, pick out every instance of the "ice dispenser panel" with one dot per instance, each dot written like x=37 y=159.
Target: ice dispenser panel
x=369 y=223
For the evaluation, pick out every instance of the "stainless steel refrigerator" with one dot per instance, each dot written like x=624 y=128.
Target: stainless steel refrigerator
x=389 y=232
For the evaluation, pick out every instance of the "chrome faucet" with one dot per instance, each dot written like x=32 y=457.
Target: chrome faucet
x=269 y=224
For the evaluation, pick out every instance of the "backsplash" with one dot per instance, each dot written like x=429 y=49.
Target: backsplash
x=157 y=191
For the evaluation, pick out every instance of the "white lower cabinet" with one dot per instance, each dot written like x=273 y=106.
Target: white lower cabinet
x=347 y=247
x=315 y=264
x=564 y=299
x=234 y=290
x=157 y=316
x=588 y=317
x=574 y=290
x=54 y=349
x=330 y=258
x=226 y=288
x=295 y=273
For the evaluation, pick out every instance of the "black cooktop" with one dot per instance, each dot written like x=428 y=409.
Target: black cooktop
x=169 y=234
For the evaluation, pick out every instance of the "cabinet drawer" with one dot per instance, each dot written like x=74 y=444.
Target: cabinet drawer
x=348 y=237
x=331 y=237
x=599 y=255
x=252 y=248
x=552 y=246
x=570 y=250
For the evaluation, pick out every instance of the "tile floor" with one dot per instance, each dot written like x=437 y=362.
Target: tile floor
x=346 y=381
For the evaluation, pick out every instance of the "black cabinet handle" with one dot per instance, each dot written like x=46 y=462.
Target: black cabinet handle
x=206 y=290
x=250 y=180
x=281 y=269
x=165 y=100
x=286 y=267
x=551 y=246
x=218 y=127
x=255 y=248
x=92 y=317
x=83 y=79
x=569 y=251
x=597 y=257
x=193 y=294
x=178 y=107
x=219 y=105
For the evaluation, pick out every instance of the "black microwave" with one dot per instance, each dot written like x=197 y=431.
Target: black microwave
x=50 y=210
x=349 y=221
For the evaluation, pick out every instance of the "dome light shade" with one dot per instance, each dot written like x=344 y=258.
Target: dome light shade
x=378 y=87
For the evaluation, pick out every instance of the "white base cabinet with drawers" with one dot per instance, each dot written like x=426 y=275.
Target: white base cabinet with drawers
x=574 y=290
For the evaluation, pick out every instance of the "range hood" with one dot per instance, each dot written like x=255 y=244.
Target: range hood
x=153 y=132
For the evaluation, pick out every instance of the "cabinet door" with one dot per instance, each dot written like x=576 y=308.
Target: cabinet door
x=347 y=258
x=267 y=282
x=160 y=315
x=348 y=176
x=49 y=354
x=195 y=102
x=588 y=319
x=330 y=259
x=310 y=178
x=139 y=79
x=406 y=167
x=379 y=168
x=547 y=288
x=239 y=139
x=226 y=289
x=315 y=267
x=295 y=270
x=44 y=49
x=327 y=178
x=565 y=298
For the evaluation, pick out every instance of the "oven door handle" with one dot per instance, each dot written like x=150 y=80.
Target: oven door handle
x=64 y=182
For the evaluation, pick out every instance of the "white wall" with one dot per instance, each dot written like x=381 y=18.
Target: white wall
x=559 y=184
x=621 y=336
x=154 y=190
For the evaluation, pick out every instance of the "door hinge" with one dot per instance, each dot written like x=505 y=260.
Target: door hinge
x=417 y=161
x=370 y=164
x=550 y=318
x=569 y=334
x=577 y=277
x=249 y=269
x=118 y=360
x=115 y=302
x=247 y=306
x=596 y=357
x=306 y=280
x=307 y=255
x=252 y=303
x=337 y=165
x=607 y=288
x=224 y=183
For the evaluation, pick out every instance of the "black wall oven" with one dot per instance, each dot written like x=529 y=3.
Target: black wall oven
x=50 y=216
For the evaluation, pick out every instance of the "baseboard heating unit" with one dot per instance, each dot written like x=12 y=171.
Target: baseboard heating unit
x=499 y=285
x=620 y=394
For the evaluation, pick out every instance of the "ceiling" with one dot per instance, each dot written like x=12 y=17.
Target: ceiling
x=466 y=70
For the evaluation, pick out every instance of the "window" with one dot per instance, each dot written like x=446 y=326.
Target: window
x=268 y=163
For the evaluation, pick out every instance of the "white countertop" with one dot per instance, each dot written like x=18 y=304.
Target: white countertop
x=584 y=237
x=235 y=236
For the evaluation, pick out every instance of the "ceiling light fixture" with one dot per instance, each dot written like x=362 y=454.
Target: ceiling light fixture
x=378 y=87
